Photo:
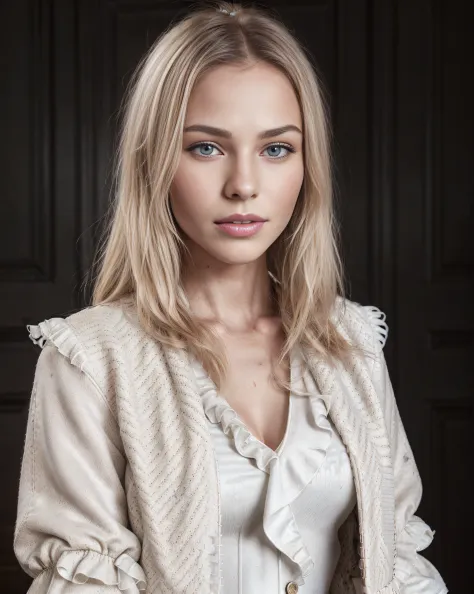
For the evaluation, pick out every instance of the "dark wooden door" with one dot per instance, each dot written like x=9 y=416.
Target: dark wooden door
x=399 y=78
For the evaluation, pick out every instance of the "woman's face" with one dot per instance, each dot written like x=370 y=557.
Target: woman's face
x=239 y=172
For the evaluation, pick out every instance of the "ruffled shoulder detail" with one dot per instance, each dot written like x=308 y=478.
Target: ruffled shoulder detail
x=377 y=319
x=58 y=332
x=361 y=323
x=79 y=566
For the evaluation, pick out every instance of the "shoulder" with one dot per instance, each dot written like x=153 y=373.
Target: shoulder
x=93 y=339
x=93 y=323
x=364 y=324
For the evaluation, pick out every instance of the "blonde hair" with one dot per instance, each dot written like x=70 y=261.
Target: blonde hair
x=141 y=250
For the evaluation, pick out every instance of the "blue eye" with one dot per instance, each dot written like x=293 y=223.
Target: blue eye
x=285 y=147
x=200 y=145
x=211 y=146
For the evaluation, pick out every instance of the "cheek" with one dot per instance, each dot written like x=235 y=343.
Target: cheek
x=181 y=192
x=287 y=191
x=190 y=199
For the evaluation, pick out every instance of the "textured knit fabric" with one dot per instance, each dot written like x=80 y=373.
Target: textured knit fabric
x=281 y=510
x=119 y=487
x=74 y=515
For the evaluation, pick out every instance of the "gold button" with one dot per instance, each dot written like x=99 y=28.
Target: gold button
x=291 y=588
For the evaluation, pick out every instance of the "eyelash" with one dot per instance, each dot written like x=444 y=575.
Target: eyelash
x=288 y=147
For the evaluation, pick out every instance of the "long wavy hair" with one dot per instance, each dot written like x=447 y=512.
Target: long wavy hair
x=141 y=251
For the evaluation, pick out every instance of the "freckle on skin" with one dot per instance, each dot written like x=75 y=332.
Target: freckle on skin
x=255 y=385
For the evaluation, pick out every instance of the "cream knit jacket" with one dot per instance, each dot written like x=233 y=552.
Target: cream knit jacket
x=157 y=449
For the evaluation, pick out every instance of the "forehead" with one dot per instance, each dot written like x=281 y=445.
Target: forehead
x=261 y=94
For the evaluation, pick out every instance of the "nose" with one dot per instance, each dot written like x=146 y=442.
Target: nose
x=242 y=181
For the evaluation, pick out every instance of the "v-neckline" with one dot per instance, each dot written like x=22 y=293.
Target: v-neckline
x=279 y=449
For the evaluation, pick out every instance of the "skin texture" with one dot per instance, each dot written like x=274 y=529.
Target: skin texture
x=227 y=281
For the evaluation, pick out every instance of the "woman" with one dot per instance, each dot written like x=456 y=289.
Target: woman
x=220 y=419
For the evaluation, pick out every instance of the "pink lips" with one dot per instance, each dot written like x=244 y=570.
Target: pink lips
x=241 y=230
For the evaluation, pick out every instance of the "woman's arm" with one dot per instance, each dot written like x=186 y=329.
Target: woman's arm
x=71 y=533
x=415 y=573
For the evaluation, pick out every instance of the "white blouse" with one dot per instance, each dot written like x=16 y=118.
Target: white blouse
x=281 y=510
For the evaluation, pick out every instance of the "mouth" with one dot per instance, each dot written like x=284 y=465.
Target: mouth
x=241 y=219
x=239 y=229
x=237 y=222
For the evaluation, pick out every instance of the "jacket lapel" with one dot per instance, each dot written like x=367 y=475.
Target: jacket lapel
x=354 y=408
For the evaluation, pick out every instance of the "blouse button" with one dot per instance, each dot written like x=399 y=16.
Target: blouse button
x=291 y=588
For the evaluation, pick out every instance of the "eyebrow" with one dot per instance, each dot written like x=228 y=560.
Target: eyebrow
x=226 y=134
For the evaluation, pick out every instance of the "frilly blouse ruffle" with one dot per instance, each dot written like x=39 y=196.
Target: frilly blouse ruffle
x=290 y=474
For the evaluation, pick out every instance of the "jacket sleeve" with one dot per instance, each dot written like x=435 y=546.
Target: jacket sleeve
x=71 y=531
x=415 y=573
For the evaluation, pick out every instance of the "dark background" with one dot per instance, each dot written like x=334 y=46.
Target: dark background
x=399 y=76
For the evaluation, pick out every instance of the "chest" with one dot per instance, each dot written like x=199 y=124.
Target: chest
x=249 y=387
